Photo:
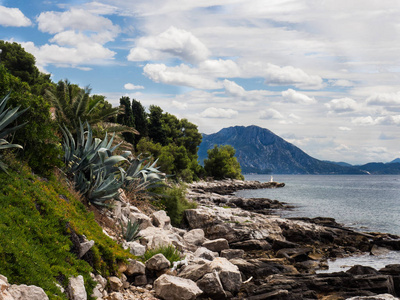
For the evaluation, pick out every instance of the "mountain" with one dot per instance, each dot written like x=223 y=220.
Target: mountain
x=381 y=168
x=397 y=160
x=259 y=150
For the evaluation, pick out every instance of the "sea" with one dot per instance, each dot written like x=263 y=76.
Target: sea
x=367 y=203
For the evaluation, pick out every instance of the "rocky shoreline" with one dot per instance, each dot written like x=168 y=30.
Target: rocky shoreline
x=236 y=248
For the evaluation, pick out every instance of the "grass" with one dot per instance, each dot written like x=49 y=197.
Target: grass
x=37 y=220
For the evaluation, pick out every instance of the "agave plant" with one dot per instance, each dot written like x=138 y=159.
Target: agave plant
x=131 y=233
x=143 y=176
x=7 y=116
x=92 y=165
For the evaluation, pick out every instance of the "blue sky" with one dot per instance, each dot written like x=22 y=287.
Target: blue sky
x=324 y=75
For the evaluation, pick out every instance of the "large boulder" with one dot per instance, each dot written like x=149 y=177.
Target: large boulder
x=76 y=288
x=194 y=237
x=135 y=268
x=211 y=285
x=135 y=248
x=160 y=219
x=228 y=273
x=169 y=287
x=216 y=245
x=157 y=263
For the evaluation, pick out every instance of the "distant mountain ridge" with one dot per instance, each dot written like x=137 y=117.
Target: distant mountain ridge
x=259 y=150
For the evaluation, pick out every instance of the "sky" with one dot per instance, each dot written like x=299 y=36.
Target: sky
x=324 y=75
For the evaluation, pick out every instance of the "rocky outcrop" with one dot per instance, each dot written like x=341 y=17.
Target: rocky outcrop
x=232 y=250
x=20 y=292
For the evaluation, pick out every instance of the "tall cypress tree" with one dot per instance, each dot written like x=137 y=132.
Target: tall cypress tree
x=126 y=118
x=140 y=118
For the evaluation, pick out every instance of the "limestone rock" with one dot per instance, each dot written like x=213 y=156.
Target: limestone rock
x=135 y=268
x=135 y=248
x=195 y=272
x=115 y=283
x=140 y=280
x=85 y=247
x=76 y=288
x=169 y=287
x=228 y=273
x=211 y=286
x=140 y=218
x=160 y=219
x=31 y=292
x=194 y=237
x=205 y=253
x=154 y=237
x=157 y=262
x=252 y=244
x=216 y=245
x=115 y=296
x=232 y=253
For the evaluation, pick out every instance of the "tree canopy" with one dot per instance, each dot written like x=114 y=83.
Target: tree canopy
x=222 y=163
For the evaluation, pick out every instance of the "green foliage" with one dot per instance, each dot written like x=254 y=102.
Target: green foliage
x=7 y=116
x=156 y=131
x=170 y=253
x=74 y=104
x=174 y=201
x=36 y=222
x=38 y=137
x=140 y=117
x=132 y=231
x=126 y=118
x=222 y=163
x=92 y=165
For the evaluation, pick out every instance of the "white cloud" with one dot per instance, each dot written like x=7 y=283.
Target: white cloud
x=172 y=42
x=73 y=38
x=219 y=113
x=271 y=113
x=63 y=56
x=384 y=99
x=296 y=97
x=233 y=89
x=341 y=83
x=220 y=68
x=179 y=105
x=180 y=75
x=13 y=17
x=342 y=105
x=74 y=19
x=131 y=86
x=343 y=128
x=387 y=120
x=289 y=75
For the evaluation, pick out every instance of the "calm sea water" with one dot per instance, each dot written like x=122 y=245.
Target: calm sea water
x=362 y=202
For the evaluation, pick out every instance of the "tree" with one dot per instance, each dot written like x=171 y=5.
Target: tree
x=222 y=163
x=38 y=137
x=140 y=118
x=126 y=118
x=156 y=130
x=74 y=104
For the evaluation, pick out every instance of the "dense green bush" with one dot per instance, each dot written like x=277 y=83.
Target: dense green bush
x=39 y=136
x=173 y=200
x=222 y=163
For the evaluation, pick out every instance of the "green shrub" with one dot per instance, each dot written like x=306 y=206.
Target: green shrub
x=170 y=253
x=174 y=201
